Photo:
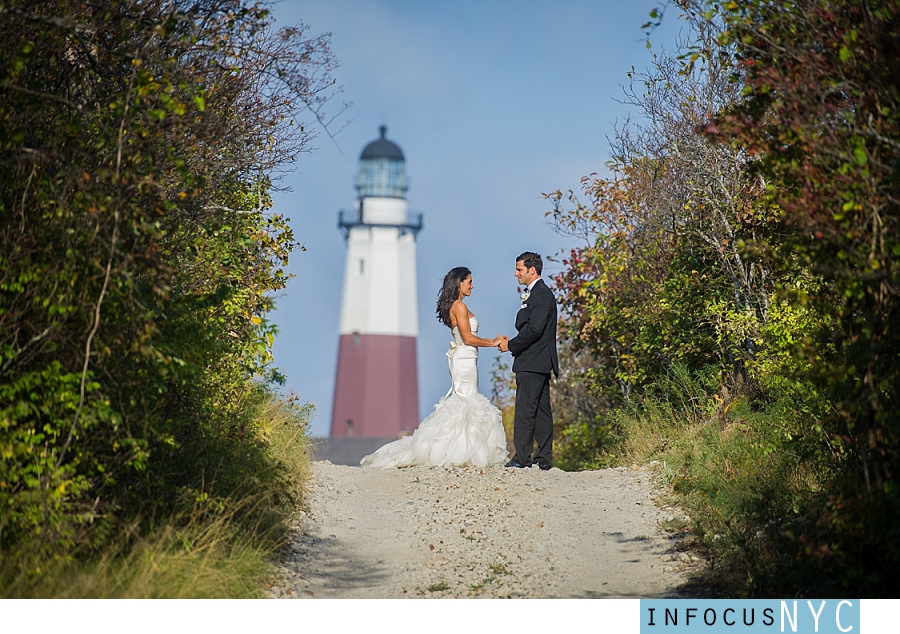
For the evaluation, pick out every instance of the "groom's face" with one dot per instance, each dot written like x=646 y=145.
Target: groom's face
x=525 y=276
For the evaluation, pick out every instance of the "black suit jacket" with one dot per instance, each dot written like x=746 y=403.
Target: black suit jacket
x=534 y=348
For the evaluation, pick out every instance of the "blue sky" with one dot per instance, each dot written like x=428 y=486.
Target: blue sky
x=494 y=103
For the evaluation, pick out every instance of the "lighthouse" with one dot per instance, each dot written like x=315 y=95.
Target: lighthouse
x=376 y=390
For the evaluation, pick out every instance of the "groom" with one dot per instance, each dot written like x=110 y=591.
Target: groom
x=534 y=351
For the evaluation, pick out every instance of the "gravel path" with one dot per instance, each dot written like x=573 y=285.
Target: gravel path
x=493 y=533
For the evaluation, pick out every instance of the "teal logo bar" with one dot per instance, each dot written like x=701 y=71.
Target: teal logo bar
x=750 y=616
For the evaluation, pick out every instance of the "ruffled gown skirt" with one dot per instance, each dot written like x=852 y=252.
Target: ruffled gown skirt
x=464 y=429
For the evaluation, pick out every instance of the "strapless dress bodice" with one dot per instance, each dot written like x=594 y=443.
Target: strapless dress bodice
x=473 y=325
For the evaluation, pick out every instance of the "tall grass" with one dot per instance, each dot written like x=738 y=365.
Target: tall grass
x=204 y=558
x=754 y=473
x=218 y=543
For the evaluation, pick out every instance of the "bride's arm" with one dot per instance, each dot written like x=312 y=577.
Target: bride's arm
x=461 y=313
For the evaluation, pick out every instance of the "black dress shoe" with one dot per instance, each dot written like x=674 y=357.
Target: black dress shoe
x=515 y=464
x=544 y=466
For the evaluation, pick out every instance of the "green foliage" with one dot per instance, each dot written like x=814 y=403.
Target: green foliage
x=753 y=477
x=217 y=542
x=737 y=293
x=581 y=445
x=663 y=277
x=207 y=559
x=138 y=142
x=503 y=394
x=826 y=142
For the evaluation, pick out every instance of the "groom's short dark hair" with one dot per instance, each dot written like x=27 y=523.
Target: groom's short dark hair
x=531 y=259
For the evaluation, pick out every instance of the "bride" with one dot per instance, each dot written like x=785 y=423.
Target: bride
x=464 y=429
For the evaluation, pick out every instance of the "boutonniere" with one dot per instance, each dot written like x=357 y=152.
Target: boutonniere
x=526 y=295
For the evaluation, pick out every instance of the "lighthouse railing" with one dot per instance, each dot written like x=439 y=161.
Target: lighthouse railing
x=348 y=220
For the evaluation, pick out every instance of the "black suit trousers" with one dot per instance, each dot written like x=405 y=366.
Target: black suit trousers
x=533 y=422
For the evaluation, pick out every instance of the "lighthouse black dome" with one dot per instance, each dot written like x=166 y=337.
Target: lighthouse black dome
x=382 y=149
x=382 y=170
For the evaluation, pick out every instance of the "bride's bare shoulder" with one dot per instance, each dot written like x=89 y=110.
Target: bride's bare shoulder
x=457 y=311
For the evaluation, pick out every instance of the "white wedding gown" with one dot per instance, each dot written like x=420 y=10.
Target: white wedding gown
x=464 y=429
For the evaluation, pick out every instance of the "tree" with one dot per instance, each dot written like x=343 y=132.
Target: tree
x=750 y=226
x=138 y=143
x=663 y=277
x=819 y=115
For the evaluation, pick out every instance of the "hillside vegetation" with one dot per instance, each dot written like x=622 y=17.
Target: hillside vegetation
x=733 y=311
x=143 y=448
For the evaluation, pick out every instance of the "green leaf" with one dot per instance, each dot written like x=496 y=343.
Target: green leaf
x=200 y=102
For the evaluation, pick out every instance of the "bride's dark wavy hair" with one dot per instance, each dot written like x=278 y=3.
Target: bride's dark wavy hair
x=450 y=293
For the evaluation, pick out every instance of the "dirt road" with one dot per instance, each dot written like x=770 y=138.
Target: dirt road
x=465 y=532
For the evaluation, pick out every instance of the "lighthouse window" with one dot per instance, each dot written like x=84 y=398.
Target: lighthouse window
x=362 y=267
x=382 y=177
x=349 y=427
x=355 y=338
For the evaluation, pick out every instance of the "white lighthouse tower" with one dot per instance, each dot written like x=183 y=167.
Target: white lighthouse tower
x=376 y=389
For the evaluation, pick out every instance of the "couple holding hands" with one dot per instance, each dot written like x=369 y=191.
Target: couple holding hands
x=465 y=429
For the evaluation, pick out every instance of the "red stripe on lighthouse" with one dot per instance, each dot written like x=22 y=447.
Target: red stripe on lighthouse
x=377 y=390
